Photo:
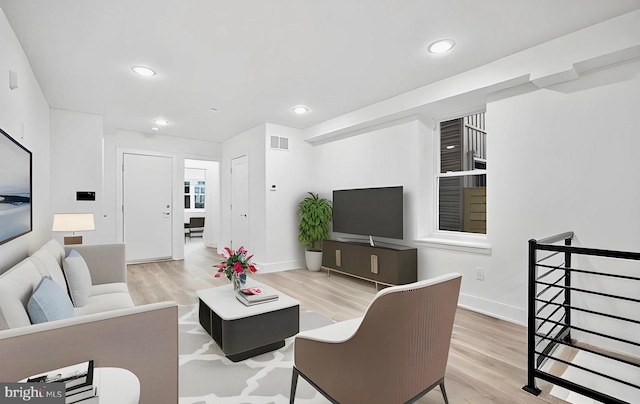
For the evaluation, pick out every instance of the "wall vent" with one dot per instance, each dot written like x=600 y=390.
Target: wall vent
x=279 y=143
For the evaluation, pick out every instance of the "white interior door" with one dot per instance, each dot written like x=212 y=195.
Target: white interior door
x=240 y=202
x=147 y=212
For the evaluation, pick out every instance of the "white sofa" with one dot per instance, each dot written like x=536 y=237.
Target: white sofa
x=109 y=328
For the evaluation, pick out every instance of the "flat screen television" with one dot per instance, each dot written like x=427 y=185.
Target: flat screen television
x=369 y=212
x=15 y=188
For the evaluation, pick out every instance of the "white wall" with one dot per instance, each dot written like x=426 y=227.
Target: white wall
x=547 y=106
x=250 y=143
x=212 y=205
x=560 y=162
x=290 y=174
x=553 y=105
x=557 y=162
x=24 y=114
x=278 y=180
x=386 y=157
x=76 y=165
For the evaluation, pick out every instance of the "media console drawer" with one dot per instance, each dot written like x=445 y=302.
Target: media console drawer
x=389 y=265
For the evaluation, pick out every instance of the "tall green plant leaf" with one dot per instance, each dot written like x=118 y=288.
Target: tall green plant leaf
x=315 y=216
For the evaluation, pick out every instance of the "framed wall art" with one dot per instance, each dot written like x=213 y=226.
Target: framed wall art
x=15 y=189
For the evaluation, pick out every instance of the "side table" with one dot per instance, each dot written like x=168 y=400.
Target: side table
x=117 y=386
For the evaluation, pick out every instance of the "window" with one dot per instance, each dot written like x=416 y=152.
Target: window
x=194 y=193
x=461 y=181
x=198 y=195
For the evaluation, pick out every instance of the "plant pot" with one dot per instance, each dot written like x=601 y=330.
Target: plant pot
x=313 y=260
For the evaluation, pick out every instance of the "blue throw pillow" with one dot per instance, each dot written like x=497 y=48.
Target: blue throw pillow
x=49 y=302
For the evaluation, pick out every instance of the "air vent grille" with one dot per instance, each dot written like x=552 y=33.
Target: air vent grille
x=279 y=143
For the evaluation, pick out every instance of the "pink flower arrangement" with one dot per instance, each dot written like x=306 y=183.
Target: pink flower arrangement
x=237 y=262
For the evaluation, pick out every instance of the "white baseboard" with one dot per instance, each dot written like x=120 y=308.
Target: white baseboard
x=492 y=308
x=280 y=266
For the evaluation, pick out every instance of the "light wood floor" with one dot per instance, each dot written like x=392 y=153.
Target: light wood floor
x=487 y=360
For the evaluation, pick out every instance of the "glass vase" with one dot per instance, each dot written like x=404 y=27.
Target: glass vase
x=238 y=280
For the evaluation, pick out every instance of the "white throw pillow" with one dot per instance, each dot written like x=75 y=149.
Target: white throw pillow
x=78 y=278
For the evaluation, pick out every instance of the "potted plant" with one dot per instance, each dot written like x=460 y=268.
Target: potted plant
x=315 y=216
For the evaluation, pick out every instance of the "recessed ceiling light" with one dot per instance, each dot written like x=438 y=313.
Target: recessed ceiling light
x=300 y=109
x=143 y=71
x=441 y=46
x=155 y=129
x=162 y=122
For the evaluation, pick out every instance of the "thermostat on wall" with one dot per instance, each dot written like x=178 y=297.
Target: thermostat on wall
x=85 y=196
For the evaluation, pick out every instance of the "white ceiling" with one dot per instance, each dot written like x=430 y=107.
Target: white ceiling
x=253 y=60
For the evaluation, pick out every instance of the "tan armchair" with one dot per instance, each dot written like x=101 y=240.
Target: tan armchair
x=396 y=353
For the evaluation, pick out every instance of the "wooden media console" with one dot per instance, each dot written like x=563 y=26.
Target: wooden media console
x=384 y=264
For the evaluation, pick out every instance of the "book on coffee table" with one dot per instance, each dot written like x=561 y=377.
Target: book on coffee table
x=84 y=397
x=256 y=295
x=78 y=377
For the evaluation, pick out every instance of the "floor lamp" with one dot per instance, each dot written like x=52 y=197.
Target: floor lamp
x=73 y=222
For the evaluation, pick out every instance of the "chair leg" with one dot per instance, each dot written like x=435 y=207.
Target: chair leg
x=444 y=392
x=294 y=385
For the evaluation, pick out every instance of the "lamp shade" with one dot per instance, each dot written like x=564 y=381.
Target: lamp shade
x=73 y=222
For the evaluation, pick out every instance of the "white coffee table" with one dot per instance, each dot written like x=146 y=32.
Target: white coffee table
x=245 y=331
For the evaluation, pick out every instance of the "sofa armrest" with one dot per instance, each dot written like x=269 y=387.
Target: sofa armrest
x=106 y=262
x=142 y=339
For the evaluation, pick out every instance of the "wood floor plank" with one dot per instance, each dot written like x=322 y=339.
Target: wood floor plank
x=487 y=359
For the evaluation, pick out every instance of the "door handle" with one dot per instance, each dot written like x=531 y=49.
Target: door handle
x=165 y=214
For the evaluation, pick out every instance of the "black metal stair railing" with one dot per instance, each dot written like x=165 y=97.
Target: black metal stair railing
x=555 y=299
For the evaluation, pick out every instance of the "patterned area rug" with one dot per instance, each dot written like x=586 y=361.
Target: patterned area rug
x=208 y=377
